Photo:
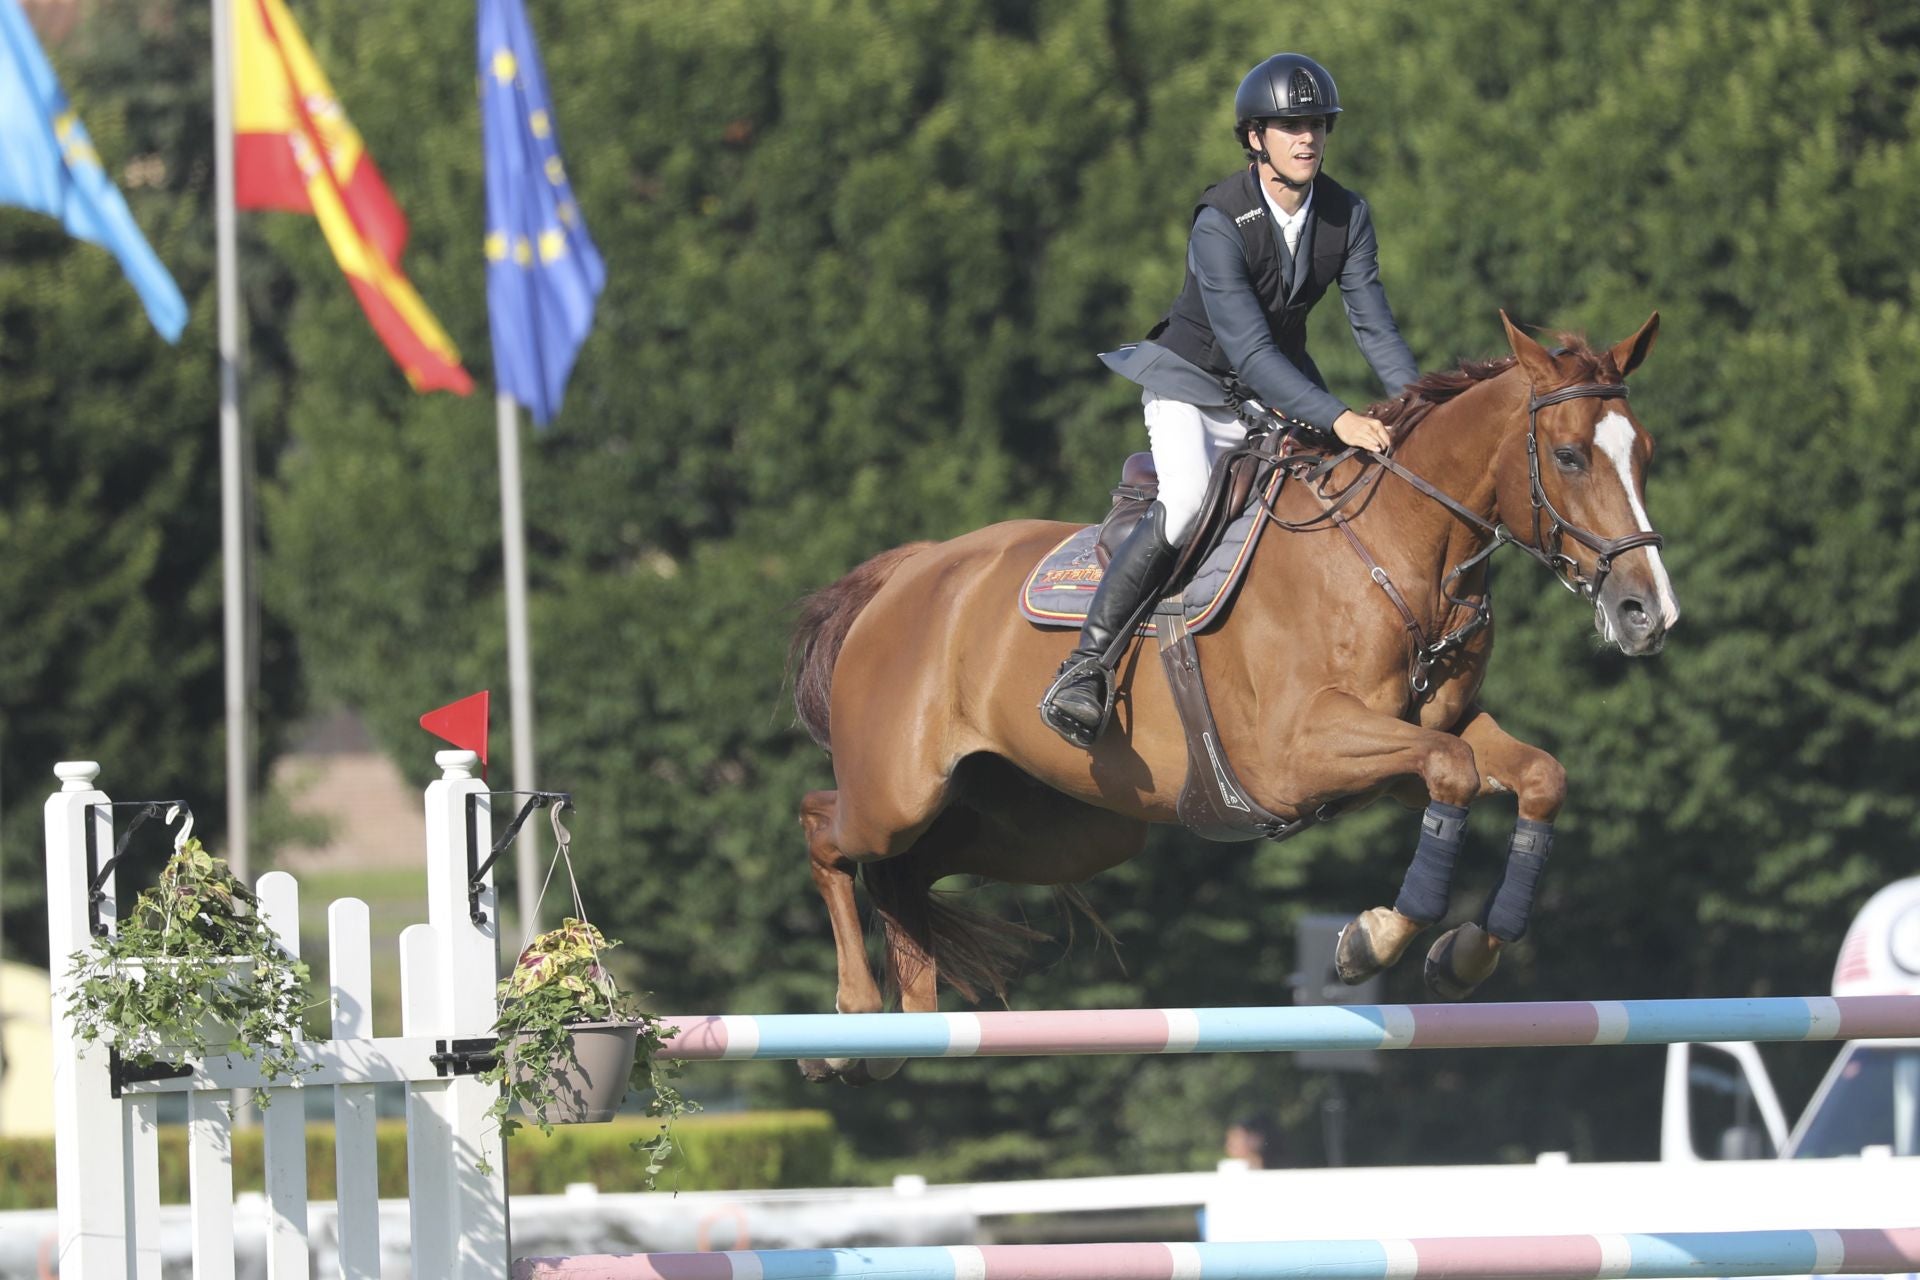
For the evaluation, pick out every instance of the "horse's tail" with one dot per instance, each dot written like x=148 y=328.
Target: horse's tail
x=825 y=618
x=975 y=953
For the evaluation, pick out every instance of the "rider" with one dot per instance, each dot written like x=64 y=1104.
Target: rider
x=1265 y=245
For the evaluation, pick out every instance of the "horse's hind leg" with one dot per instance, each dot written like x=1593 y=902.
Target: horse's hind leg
x=833 y=875
x=1465 y=955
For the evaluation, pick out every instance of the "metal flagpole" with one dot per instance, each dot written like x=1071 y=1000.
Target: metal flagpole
x=233 y=479
x=513 y=536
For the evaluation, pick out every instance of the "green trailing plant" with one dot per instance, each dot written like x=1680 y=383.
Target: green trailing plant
x=559 y=982
x=193 y=968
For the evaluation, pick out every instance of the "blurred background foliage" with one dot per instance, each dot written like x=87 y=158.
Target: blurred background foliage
x=860 y=258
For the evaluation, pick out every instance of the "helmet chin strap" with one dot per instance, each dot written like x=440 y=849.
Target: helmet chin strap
x=1262 y=157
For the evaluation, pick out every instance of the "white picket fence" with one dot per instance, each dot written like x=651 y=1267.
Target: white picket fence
x=106 y=1136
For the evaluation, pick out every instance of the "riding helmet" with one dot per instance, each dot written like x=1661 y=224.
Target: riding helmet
x=1287 y=85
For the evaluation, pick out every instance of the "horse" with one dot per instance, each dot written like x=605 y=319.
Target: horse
x=916 y=673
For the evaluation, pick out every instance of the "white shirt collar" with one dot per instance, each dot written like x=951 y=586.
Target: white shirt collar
x=1291 y=225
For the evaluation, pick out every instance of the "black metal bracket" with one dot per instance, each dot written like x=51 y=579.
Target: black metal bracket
x=464 y=1057
x=476 y=869
x=96 y=873
x=121 y=1073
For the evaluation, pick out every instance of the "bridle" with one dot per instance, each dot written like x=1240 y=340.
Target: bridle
x=1550 y=531
x=1559 y=528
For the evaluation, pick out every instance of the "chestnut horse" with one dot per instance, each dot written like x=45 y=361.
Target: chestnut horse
x=919 y=675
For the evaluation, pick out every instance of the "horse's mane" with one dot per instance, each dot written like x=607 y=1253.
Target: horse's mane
x=1430 y=390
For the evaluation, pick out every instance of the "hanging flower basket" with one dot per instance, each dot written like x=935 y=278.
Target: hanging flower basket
x=192 y=1001
x=572 y=1042
x=586 y=1082
x=192 y=971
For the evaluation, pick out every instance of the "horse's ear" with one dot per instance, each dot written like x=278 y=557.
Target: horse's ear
x=1533 y=357
x=1628 y=354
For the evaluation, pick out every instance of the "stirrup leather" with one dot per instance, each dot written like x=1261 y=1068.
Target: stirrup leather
x=1072 y=730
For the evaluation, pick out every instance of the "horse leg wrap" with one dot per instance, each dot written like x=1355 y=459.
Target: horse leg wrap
x=1423 y=894
x=1510 y=905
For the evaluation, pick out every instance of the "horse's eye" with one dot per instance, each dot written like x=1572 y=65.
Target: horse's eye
x=1569 y=458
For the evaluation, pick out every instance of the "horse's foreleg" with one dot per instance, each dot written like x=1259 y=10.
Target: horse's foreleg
x=1465 y=956
x=833 y=876
x=1355 y=749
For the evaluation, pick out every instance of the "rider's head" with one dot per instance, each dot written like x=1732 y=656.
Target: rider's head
x=1283 y=111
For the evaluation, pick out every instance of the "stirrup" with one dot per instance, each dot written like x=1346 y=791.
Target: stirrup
x=1072 y=730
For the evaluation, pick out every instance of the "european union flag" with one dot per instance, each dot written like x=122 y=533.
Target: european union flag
x=47 y=164
x=543 y=273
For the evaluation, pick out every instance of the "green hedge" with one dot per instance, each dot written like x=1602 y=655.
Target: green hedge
x=754 y=1149
x=749 y=1149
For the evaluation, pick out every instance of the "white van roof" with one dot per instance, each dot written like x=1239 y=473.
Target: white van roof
x=1881 y=954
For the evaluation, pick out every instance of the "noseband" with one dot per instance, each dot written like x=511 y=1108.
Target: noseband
x=1557 y=527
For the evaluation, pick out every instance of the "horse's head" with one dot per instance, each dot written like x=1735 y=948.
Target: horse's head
x=1585 y=501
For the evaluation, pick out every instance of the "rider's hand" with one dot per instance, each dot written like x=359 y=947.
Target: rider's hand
x=1362 y=432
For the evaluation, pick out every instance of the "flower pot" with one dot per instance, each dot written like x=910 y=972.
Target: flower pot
x=219 y=1036
x=589 y=1088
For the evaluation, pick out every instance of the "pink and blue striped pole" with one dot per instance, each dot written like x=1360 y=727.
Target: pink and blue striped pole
x=1598 y=1257
x=1265 y=1030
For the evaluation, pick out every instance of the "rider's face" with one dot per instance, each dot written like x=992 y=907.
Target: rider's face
x=1295 y=146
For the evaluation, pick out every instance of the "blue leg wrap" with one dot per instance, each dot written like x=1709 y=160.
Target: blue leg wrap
x=1423 y=894
x=1510 y=905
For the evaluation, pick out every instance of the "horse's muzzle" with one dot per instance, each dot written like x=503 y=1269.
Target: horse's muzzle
x=1630 y=616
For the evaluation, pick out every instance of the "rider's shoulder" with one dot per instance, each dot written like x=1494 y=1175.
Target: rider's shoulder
x=1333 y=196
x=1235 y=195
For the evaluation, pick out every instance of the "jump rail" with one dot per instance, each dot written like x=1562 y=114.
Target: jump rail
x=730 y=1037
x=1633 y=1257
x=107 y=1149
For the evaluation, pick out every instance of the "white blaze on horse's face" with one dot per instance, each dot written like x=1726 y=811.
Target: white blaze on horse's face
x=1614 y=437
x=1635 y=607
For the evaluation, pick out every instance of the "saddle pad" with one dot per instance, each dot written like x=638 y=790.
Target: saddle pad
x=1057 y=592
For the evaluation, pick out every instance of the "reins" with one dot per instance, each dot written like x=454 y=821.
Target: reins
x=1426 y=654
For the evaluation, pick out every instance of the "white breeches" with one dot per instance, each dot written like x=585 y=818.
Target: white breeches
x=1186 y=440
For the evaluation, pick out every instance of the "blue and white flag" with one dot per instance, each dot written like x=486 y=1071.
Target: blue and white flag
x=47 y=164
x=543 y=273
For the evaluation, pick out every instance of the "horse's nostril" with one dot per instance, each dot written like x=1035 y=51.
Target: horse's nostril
x=1634 y=614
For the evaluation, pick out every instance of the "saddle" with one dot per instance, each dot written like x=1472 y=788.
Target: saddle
x=1059 y=589
x=1229 y=489
x=1243 y=488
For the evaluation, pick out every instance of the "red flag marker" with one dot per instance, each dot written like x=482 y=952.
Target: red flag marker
x=463 y=723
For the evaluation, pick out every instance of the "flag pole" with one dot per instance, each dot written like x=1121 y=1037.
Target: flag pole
x=513 y=537
x=233 y=480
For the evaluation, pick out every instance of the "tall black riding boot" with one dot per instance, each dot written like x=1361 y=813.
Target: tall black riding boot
x=1080 y=699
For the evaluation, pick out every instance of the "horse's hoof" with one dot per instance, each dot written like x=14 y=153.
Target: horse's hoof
x=1372 y=941
x=1460 y=961
x=1353 y=957
x=817 y=1070
x=865 y=1071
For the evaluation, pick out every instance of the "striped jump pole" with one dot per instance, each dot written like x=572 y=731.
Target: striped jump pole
x=1286 y=1029
x=1602 y=1257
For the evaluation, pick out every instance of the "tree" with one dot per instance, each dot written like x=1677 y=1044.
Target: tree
x=109 y=472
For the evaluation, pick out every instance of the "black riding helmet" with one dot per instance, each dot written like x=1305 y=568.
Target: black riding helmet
x=1285 y=86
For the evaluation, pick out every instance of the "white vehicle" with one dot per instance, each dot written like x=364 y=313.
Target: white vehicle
x=1720 y=1104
